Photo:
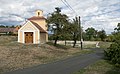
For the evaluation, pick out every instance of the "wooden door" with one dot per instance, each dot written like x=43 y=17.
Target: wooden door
x=28 y=37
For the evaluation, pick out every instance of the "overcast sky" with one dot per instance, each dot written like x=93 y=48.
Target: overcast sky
x=100 y=14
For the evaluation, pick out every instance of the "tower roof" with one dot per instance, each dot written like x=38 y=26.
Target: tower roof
x=36 y=18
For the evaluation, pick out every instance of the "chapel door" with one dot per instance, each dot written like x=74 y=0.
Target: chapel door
x=28 y=37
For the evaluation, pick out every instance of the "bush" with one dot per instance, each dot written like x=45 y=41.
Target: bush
x=113 y=52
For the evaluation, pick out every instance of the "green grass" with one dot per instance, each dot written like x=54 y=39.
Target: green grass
x=85 y=51
x=89 y=46
x=104 y=45
x=100 y=67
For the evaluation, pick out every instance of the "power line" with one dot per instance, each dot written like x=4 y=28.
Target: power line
x=65 y=4
x=69 y=6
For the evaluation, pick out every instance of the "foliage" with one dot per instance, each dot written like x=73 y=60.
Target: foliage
x=118 y=28
x=110 y=38
x=66 y=32
x=102 y=35
x=113 y=52
x=75 y=30
x=91 y=33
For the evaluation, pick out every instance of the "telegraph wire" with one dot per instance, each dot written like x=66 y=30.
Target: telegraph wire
x=65 y=4
x=68 y=5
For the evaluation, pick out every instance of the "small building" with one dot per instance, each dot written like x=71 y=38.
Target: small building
x=34 y=30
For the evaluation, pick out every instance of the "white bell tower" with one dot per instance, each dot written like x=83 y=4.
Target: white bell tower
x=39 y=13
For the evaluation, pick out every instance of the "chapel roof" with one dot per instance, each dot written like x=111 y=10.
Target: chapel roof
x=39 y=27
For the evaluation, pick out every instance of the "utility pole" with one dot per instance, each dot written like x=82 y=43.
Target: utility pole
x=80 y=30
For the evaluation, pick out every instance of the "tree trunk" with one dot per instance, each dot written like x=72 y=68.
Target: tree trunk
x=74 y=43
x=56 y=40
x=65 y=42
x=74 y=39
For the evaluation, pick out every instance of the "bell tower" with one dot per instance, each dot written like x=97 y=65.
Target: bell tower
x=39 y=13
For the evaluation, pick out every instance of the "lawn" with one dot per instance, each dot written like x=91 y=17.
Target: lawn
x=100 y=67
x=15 y=56
x=104 y=45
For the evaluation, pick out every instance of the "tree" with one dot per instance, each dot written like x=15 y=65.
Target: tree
x=75 y=30
x=91 y=33
x=102 y=35
x=58 y=21
x=2 y=26
x=12 y=26
x=118 y=28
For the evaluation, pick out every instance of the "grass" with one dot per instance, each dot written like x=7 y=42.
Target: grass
x=15 y=55
x=89 y=46
x=100 y=67
x=104 y=45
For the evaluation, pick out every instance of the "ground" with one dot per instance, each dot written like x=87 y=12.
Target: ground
x=15 y=56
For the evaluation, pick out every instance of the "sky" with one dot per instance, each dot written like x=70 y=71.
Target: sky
x=99 y=14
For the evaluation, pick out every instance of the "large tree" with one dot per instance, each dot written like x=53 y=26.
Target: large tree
x=58 y=21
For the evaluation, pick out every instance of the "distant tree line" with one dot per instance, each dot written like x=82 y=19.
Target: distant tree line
x=91 y=34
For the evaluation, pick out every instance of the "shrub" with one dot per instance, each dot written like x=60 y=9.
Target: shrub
x=113 y=52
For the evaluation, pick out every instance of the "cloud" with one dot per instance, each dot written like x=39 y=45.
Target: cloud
x=100 y=14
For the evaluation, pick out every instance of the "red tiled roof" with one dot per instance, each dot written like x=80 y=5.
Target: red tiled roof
x=41 y=29
x=7 y=29
x=36 y=18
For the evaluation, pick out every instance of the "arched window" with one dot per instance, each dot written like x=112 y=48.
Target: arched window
x=38 y=13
